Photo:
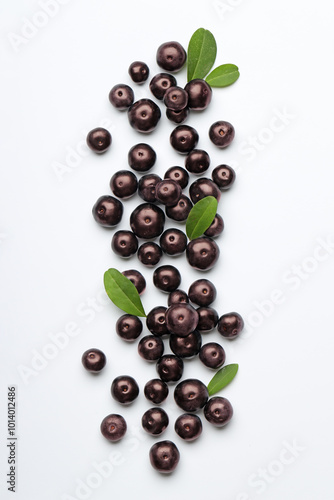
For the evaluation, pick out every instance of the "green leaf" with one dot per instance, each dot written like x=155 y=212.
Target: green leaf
x=202 y=52
x=122 y=292
x=224 y=75
x=223 y=377
x=201 y=216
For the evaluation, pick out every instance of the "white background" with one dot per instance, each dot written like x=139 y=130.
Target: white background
x=55 y=88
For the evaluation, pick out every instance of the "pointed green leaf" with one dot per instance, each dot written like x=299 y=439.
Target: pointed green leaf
x=201 y=216
x=202 y=52
x=224 y=75
x=223 y=377
x=122 y=292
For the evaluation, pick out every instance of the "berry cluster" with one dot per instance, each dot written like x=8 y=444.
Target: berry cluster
x=181 y=321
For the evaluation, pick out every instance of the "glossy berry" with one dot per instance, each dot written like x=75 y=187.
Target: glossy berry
x=156 y=321
x=188 y=426
x=156 y=391
x=137 y=279
x=160 y=83
x=167 y=278
x=144 y=115
x=208 y=319
x=181 y=210
x=197 y=161
x=146 y=187
x=230 y=325
x=202 y=253
x=223 y=176
x=221 y=134
x=164 y=456
x=202 y=292
x=99 y=140
x=142 y=157
x=108 y=211
x=155 y=421
x=186 y=347
x=171 y=56
x=178 y=297
x=184 y=139
x=124 y=184
x=176 y=98
x=168 y=192
x=199 y=94
x=191 y=394
x=94 y=360
x=121 y=96
x=147 y=221
x=212 y=355
x=203 y=187
x=124 y=389
x=124 y=243
x=170 y=368
x=173 y=242
x=216 y=227
x=138 y=71
x=129 y=327
x=177 y=117
x=151 y=348
x=149 y=254
x=218 y=411
x=179 y=175
x=181 y=319
x=113 y=427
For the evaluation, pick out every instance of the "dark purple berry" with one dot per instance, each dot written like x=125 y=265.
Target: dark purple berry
x=203 y=187
x=208 y=319
x=113 y=427
x=168 y=192
x=188 y=426
x=137 y=279
x=221 y=134
x=173 y=242
x=99 y=140
x=164 y=456
x=230 y=325
x=184 y=139
x=171 y=56
x=176 y=98
x=160 y=83
x=179 y=175
x=156 y=321
x=129 y=327
x=155 y=421
x=156 y=391
x=124 y=243
x=149 y=254
x=94 y=360
x=216 y=227
x=202 y=292
x=177 y=117
x=199 y=93
x=218 y=411
x=181 y=210
x=124 y=389
x=181 y=319
x=151 y=348
x=191 y=394
x=147 y=221
x=223 y=176
x=202 y=253
x=167 y=278
x=178 y=297
x=108 y=211
x=212 y=355
x=142 y=157
x=121 y=96
x=138 y=71
x=186 y=347
x=197 y=161
x=170 y=368
x=124 y=184
x=144 y=115
x=146 y=187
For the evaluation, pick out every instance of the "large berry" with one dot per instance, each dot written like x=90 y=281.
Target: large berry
x=171 y=56
x=191 y=394
x=108 y=211
x=164 y=456
x=144 y=115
